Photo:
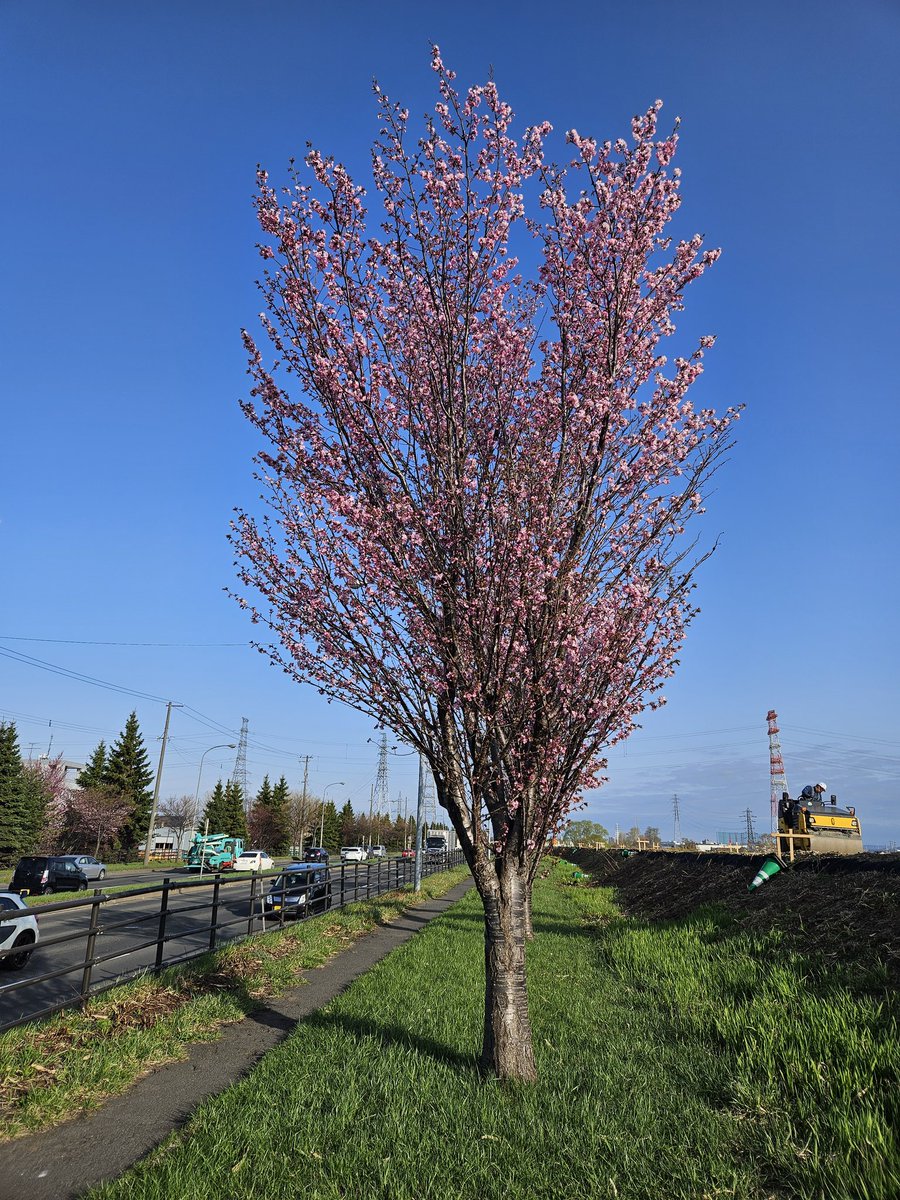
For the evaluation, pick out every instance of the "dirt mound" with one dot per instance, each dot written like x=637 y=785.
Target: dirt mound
x=841 y=908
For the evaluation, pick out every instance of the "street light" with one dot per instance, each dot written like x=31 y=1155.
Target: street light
x=221 y=746
x=340 y=783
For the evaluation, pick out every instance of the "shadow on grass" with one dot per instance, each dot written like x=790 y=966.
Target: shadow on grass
x=399 y=1036
x=568 y=928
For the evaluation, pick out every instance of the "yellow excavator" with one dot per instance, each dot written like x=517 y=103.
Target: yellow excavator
x=813 y=825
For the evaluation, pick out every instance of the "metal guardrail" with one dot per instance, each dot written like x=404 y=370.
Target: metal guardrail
x=346 y=884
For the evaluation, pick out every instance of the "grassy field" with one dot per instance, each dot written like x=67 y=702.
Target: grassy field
x=678 y=1061
x=52 y=1070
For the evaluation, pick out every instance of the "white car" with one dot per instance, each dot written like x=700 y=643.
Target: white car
x=379 y=851
x=254 y=860
x=353 y=854
x=18 y=931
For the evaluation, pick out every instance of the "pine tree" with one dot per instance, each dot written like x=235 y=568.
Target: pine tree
x=16 y=825
x=332 y=839
x=233 y=807
x=37 y=798
x=93 y=774
x=264 y=795
x=348 y=824
x=280 y=837
x=259 y=819
x=215 y=814
x=128 y=774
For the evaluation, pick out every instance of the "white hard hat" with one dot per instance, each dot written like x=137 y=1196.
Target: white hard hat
x=821 y=787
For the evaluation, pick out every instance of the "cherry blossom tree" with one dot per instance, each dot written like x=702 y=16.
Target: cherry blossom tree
x=479 y=483
x=50 y=776
x=95 y=817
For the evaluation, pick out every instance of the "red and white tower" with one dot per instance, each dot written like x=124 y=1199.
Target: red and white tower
x=776 y=766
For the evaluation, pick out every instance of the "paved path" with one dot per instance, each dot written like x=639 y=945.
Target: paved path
x=63 y=1163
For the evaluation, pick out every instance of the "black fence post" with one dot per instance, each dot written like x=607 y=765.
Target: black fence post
x=89 y=948
x=343 y=869
x=214 y=916
x=254 y=880
x=163 y=913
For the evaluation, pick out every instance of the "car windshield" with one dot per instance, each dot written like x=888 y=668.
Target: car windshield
x=32 y=864
x=295 y=879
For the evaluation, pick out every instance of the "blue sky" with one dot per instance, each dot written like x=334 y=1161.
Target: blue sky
x=132 y=133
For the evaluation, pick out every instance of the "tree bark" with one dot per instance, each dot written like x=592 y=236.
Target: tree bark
x=527 y=923
x=507 y=1049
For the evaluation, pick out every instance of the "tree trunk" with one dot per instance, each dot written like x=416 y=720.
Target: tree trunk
x=506 y=1050
x=527 y=922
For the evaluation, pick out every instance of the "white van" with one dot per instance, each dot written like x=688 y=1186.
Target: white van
x=379 y=851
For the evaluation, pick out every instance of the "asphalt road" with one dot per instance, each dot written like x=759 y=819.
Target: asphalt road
x=125 y=924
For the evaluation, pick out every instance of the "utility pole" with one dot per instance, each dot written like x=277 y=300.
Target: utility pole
x=420 y=821
x=305 y=760
x=677 y=812
x=162 y=755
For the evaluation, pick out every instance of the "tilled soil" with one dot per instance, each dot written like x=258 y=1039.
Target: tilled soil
x=842 y=909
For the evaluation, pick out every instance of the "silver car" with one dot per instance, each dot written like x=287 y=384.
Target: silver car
x=91 y=866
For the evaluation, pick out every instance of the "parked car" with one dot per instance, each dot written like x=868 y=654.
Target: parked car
x=254 y=860
x=91 y=866
x=18 y=931
x=39 y=873
x=316 y=854
x=301 y=888
x=379 y=852
x=353 y=854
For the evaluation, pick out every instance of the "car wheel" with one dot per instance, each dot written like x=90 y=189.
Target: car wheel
x=15 y=962
x=47 y=889
x=82 y=887
x=102 y=875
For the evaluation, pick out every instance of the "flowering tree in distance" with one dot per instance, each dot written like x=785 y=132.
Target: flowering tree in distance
x=478 y=484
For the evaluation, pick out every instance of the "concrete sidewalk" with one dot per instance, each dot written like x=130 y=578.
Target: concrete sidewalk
x=62 y=1163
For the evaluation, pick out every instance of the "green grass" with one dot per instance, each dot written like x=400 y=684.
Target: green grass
x=683 y=1062
x=54 y=1069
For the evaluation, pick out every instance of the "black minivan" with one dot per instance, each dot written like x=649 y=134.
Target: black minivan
x=41 y=873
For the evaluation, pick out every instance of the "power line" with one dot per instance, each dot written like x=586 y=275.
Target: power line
x=88 y=642
x=28 y=660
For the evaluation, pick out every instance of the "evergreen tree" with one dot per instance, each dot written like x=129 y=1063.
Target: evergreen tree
x=264 y=795
x=37 y=799
x=215 y=814
x=93 y=775
x=348 y=824
x=16 y=823
x=128 y=774
x=235 y=818
x=332 y=839
x=280 y=838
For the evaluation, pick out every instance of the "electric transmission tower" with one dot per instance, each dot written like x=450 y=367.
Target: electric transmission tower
x=380 y=791
x=677 y=813
x=239 y=774
x=776 y=766
x=751 y=833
